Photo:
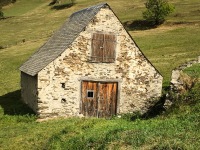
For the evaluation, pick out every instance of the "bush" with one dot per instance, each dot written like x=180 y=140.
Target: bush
x=157 y=10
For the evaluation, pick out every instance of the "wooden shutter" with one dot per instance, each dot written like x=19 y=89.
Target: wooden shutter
x=109 y=48
x=103 y=48
x=97 y=47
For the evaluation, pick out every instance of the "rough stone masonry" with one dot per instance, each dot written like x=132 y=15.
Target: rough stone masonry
x=56 y=89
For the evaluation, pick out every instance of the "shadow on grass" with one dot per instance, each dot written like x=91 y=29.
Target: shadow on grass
x=153 y=111
x=138 y=25
x=156 y=110
x=52 y=3
x=12 y=105
x=62 y=6
x=5 y=17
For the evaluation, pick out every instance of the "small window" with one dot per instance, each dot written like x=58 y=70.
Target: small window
x=90 y=94
x=63 y=85
x=63 y=100
x=103 y=48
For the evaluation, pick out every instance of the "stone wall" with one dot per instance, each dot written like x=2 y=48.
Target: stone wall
x=29 y=90
x=59 y=83
x=181 y=82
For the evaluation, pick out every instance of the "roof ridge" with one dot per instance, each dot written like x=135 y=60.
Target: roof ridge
x=88 y=8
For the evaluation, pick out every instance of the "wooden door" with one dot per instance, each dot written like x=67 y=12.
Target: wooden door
x=89 y=98
x=107 y=103
x=99 y=99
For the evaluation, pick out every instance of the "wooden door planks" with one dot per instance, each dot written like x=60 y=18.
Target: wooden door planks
x=104 y=101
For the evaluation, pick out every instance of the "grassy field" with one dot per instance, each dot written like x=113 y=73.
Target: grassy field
x=30 y=23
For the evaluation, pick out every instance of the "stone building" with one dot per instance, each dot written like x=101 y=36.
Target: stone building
x=90 y=67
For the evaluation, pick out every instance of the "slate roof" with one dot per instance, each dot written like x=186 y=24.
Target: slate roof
x=61 y=40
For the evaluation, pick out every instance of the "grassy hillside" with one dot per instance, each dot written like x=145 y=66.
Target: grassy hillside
x=30 y=23
x=177 y=129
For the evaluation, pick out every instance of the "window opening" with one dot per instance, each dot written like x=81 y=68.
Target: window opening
x=63 y=85
x=90 y=94
x=63 y=100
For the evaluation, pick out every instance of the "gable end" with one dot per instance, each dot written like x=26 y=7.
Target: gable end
x=61 y=40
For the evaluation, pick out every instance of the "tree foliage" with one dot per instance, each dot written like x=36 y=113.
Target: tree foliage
x=157 y=10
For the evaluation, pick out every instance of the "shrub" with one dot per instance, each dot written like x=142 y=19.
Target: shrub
x=157 y=10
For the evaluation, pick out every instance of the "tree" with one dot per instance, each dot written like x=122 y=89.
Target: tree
x=157 y=10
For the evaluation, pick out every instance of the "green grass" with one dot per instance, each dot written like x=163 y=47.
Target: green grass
x=176 y=129
x=181 y=15
x=193 y=71
x=10 y=61
x=169 y=47
x=31 y=22
x=21 y=7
